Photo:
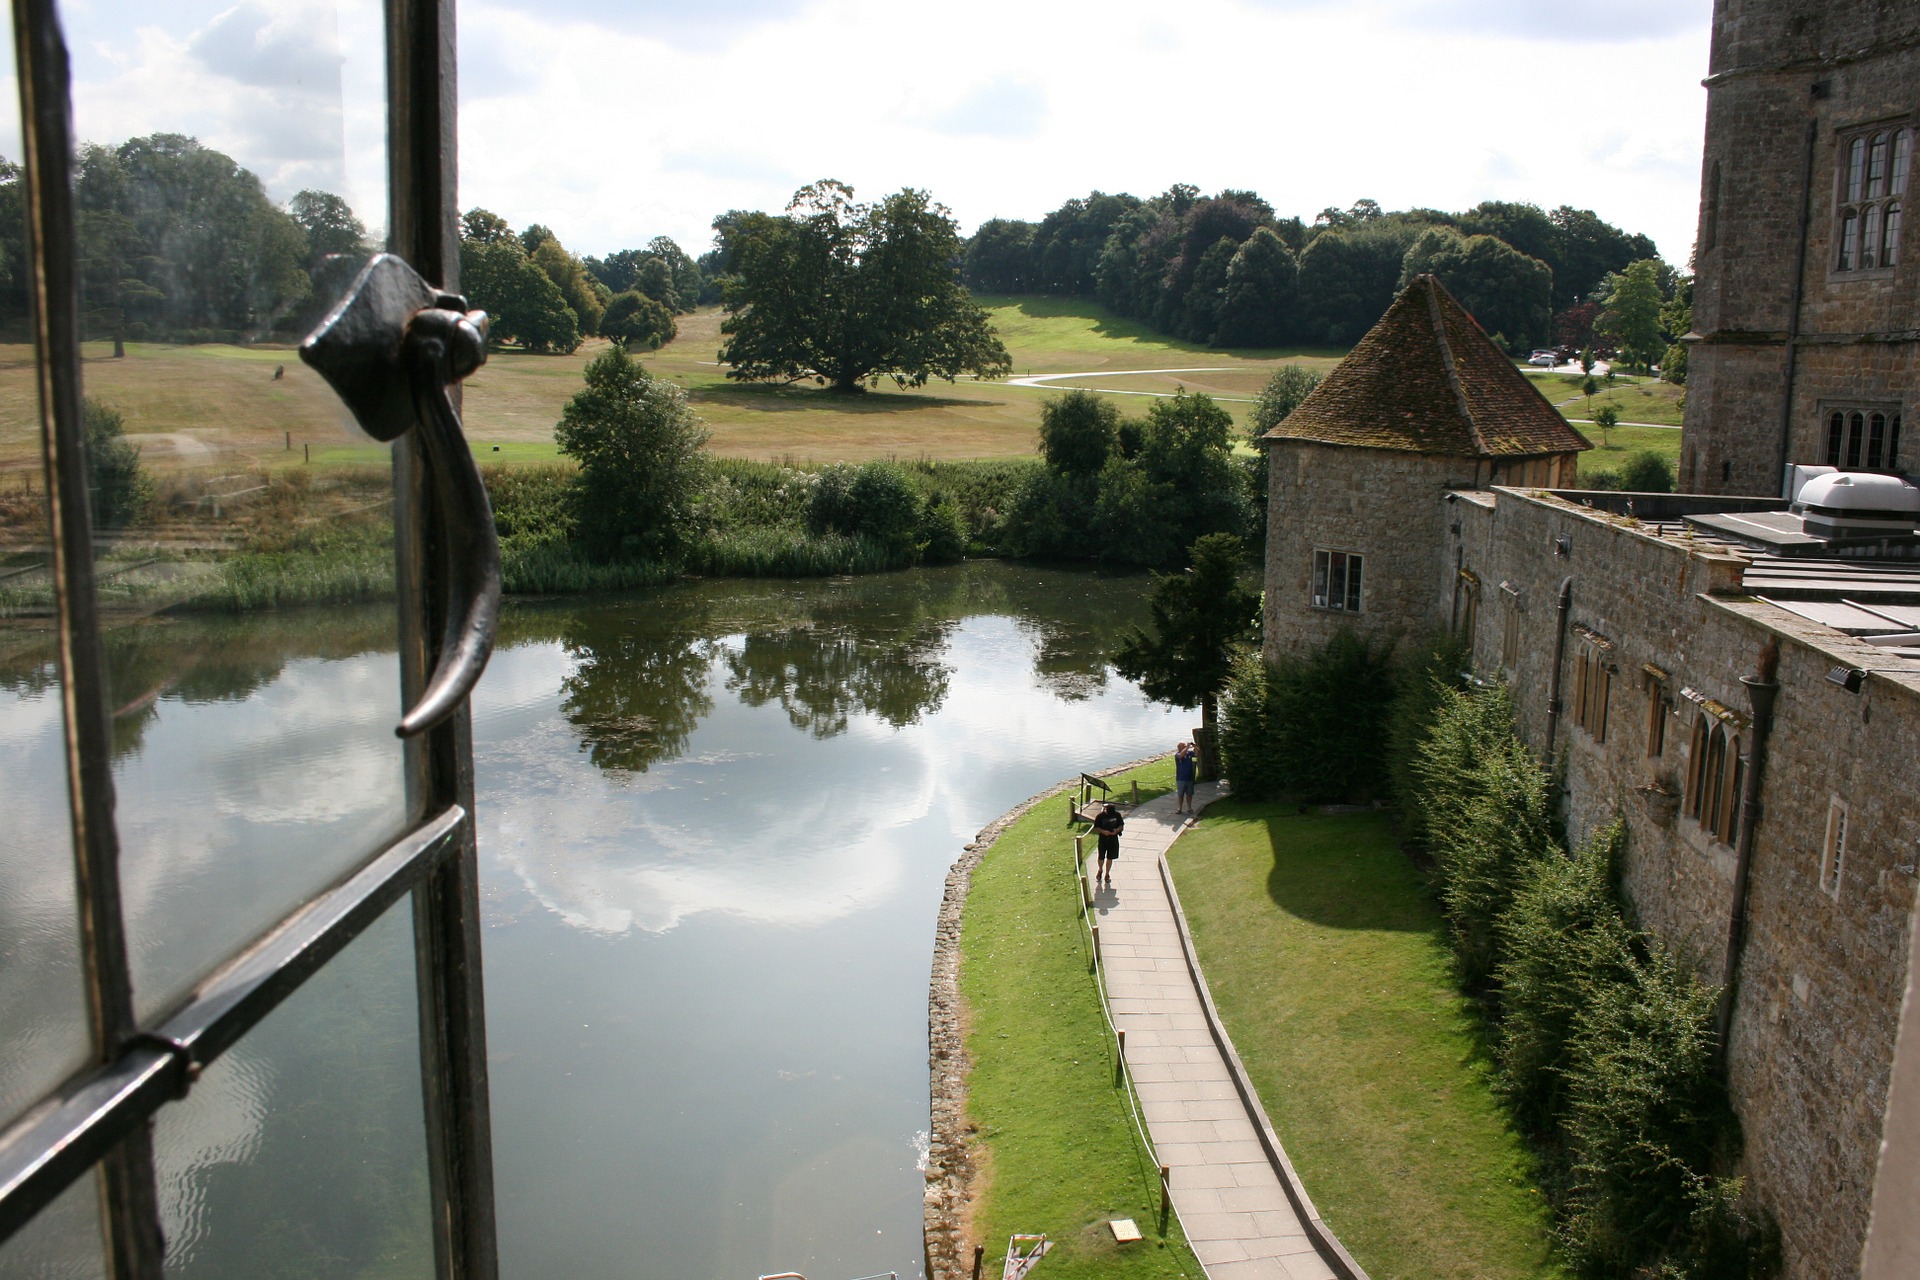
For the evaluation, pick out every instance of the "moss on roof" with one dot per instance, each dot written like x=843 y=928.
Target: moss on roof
x=1426 y=379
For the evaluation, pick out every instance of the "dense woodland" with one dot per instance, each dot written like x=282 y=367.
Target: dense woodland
x=1226 y=270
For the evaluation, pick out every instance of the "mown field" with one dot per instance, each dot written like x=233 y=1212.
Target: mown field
x=213 y=409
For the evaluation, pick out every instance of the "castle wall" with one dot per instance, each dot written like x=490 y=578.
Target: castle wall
x=1821 y=981
x=1856 y=329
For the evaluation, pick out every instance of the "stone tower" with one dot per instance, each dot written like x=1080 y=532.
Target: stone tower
x=1356 y=521
x=1806 y=313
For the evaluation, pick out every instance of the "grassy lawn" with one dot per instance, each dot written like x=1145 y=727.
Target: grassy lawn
x=1326 y=956
x=1638 y=399
x=1055 y=1139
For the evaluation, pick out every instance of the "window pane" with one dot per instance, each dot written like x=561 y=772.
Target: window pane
x=230 y=182
x=1836 y=432
x=1856 y=428
x=1890 y=251
x=42 y=1001
x=1877 y=167
x=1321 y=564
x=1856 y=167
x=1893 y=444
x=1870 y=238
x=1849 y=236
x=62 y=1243
x=302 y=1151
x=1902 y=158
x=1353 y=583
x=1876 y=440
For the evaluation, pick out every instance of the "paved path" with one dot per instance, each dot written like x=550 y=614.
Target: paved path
x=1227 y=1189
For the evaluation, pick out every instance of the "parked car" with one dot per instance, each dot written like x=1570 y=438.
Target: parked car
x=1545 y=359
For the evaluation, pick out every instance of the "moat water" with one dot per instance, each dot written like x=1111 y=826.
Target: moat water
x=715 y=821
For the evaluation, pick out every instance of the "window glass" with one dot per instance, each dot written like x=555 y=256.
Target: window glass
x=1849 y=239
x=42 y=1001
x=1856 y=428
x=1836 y=432
x=1870 y=238
x=230 y=181
x=62 y=1243
x=1856 y=167
x=1877 y=167
x=1890 y=251
x=1876 y=439
x=304 y=1146
x=1893 y=443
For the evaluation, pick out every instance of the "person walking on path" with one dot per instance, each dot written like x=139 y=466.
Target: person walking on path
x=1185 y=767
x=1108 y=825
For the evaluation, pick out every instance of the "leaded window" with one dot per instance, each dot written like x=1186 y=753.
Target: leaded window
x=1863 y=439
x=197 y=903
x=1872 y=185
x=1336 y=580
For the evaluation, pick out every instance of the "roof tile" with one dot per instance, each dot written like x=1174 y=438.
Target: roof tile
x=1426 y=379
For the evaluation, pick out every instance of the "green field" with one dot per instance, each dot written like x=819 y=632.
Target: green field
x=212 y=408
x=1327 y=957
x=1054 y=1139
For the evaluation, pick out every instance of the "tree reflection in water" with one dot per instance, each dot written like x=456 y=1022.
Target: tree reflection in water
x=633 y=697
x=822 y=676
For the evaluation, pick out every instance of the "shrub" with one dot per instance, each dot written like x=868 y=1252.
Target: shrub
x=641 y=463
x=1250 y=752
x=119 y=486
x=1562 y=938
x=1330 y=714
x=1419 y=688
x=532 y=506
x=1647 y=472
x=874 y=500
x=942 y=536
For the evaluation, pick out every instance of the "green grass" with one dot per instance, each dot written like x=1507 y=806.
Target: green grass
x=1638 y=399
x=1328 y=960
x=1055 y=1138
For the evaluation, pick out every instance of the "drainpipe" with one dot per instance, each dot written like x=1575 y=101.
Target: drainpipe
x=1762 y=690
x=1559 y=655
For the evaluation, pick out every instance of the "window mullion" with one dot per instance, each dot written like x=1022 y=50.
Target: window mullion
x=134 y=1243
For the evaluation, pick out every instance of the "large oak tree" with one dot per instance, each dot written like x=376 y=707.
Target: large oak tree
x=846 y=294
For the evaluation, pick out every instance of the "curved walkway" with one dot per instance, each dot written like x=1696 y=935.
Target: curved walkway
x=1047 y=381
x=1245 y=1213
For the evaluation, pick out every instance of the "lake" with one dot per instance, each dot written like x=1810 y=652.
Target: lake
x=715 y=822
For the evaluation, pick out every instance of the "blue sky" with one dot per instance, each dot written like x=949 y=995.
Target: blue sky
x=613 y=121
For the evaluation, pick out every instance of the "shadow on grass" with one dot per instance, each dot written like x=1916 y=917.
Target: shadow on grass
x=1341 y=871
x=803 y=399
x=1107 y=325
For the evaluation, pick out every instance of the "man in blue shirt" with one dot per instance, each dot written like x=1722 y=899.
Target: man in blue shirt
x=1185 y=765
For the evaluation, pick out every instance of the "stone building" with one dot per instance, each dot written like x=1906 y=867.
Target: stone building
x=1806 y=310
x=1423 y=405
x=1735 y=674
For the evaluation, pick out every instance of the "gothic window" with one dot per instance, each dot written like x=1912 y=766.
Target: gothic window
x=1510 y=626
x=1872 y=184
x=1863 y=439
x=1466 y=604
x=1715 y=774
x=1659 y=706
x=1336 y=580
x=1592 y=687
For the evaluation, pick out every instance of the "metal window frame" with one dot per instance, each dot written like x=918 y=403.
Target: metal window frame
x=100 y=1120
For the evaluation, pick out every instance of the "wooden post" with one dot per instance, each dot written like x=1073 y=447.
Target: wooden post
x=1096 y=944
x=1121 y=1032
x=1136 y=791
x=1086 y=891
x=979 y=1254
x=1080 y=850
x=1073 y=810
x=1166 y=1196
x=289 y=442
x=306 y=452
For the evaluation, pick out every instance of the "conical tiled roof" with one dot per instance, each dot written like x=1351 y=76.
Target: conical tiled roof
x=1425 y=379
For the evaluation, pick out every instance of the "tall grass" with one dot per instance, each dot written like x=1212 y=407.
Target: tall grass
x=788 y=553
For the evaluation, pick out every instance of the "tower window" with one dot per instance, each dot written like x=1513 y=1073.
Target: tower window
x=1336 y=580
x=1872 y=182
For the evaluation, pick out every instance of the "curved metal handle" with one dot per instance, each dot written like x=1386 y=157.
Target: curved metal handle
x=392 y=348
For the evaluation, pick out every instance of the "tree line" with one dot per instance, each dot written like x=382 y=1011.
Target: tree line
x=1226 y=270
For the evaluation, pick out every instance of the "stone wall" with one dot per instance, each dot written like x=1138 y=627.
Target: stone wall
x=1822 y=975
x=1384 y=505
x=1856 y=330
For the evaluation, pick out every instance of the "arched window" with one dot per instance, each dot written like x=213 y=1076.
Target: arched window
x=1856 y=167
x=1836 y=432
x=1876 y=440
x=1856 y=425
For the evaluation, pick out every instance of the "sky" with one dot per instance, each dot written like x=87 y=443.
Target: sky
x=613 y=121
